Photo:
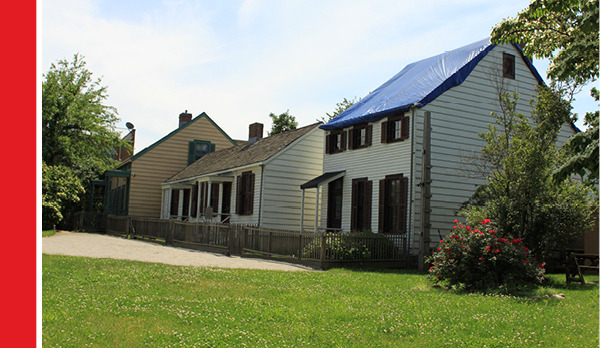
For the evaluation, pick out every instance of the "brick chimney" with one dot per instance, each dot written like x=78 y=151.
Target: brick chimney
x=255 y=131
x=184 y=118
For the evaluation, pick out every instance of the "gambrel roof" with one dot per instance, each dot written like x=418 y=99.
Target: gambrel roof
x=418 y=84
x=242 y=155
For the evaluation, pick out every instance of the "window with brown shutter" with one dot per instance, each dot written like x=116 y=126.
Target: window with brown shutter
x=361 y=204
x=360 y=136
x=245 y=193
x=508 y=65
x=394 y=129
x=392 y=204
x=335 y=141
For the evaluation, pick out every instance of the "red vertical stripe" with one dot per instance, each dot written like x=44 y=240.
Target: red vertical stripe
x=18 y=203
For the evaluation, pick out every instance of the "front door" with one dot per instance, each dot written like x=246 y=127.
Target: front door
x=334 y=205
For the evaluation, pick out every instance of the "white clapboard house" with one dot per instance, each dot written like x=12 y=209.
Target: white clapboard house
x=375 y=174
x=257 y=183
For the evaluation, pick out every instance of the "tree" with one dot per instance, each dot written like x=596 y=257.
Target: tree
x=78 y=133
x=582 y=152
x=339 y=108
x=520 y=195
x=566 y=32
x=282 y=123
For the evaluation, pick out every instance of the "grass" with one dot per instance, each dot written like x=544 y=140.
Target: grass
x=116 y=303
x=48 y=233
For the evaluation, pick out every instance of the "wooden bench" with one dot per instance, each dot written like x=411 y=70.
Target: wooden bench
x=577 y=264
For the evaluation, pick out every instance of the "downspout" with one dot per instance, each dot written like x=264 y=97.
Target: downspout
x=412 y=159
x=260 y=195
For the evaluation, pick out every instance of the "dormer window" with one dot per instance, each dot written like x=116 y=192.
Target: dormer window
x=198 y=148
x=395 y=129
x=508 y=66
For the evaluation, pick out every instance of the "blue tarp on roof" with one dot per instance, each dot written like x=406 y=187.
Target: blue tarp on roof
x=418 y=83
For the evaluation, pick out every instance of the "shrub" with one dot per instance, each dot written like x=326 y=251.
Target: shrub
x=352 y=246
x=477 y=258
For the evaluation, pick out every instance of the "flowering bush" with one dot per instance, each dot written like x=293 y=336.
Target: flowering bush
x=477 y=258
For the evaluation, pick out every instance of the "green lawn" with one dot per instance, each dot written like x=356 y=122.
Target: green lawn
x=114 y=303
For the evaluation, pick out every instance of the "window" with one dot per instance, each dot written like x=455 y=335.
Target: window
x=360 y=136
x=392 y=204
x=361 y=204
x=174 y=203
x=199 y=148
x=395 y=129
x=508 y=65
x=334 y=204
x=245 y=193
x=335 y=142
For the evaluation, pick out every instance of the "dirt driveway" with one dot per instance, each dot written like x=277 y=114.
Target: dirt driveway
x=105 y=246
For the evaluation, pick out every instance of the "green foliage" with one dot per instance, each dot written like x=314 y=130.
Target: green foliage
x=337 y=248
x=480 y=258
x=282 y=123
x=59 y=187
x=520 y=192
x=565 y=31
x=120 y=303
x=78 y=130
x=339 y=108
x=582 y=151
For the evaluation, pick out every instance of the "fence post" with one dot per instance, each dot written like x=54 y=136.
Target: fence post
x=170 y=233
x=322 y=250
x=299 y=246
x=129 y=228
x=270 y=241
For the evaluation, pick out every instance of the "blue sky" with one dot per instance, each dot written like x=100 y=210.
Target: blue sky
x=238 y=61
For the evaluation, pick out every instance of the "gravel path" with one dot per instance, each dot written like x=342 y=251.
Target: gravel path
x=105 y=246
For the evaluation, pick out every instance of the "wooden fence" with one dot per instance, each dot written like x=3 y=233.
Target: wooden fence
x=324 y=250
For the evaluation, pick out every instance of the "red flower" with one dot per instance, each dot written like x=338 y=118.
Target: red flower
x=492 y=231
x=502 y=240
x=456 y=221
x=486 y=221
x=515 y=241
x=468 y=228
x=526 y=262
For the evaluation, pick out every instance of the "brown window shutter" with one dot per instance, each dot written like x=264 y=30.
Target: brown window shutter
x=351 y=139
x=405 y=127
x=238 y=196
x=403 y=203
x=354 y=211
x=369 y=134
x=250 y=196
x=343 y=145
x=384 y=132
x=368 y=200
x=381 y=204
x=328 y=143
